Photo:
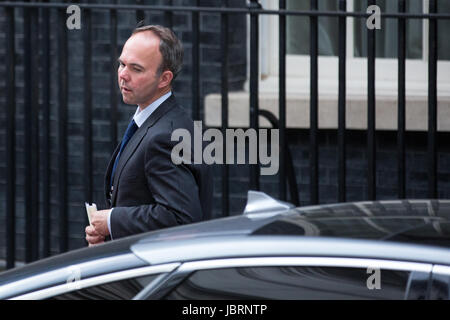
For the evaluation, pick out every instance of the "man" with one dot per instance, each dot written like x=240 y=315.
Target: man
x=144 y=188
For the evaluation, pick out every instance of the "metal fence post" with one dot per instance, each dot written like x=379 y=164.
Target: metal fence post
x=432 y=103
x=10 y=141
x=254 y=84
x=46 y=130
x=87 y=132
x=314 y=105
x=224 y=95
x=62 y=131
x=195 y=64
x=113 y=77
x=371 y=125
x=342 y=104
x=282 y=100
x=401 y=101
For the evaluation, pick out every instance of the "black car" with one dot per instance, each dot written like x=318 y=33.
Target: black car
x=362 y=250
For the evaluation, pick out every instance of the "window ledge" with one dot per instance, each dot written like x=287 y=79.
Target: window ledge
x=297 y=111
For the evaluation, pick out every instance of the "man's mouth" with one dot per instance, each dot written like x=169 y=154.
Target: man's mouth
x=125 y=89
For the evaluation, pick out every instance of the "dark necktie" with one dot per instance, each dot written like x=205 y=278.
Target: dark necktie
x=132 y=127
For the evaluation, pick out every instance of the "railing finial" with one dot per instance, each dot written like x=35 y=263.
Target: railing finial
x=254 y=4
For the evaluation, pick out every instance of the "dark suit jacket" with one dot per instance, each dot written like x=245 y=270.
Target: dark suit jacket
x=151 y=192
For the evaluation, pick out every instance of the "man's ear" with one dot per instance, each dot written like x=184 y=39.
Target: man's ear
x=165 y=79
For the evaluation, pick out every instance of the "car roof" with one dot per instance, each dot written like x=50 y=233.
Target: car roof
x=407 y=221
x=361 y=229
x=239 y=246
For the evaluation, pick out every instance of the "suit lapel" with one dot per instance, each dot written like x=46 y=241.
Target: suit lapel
x=135 y=141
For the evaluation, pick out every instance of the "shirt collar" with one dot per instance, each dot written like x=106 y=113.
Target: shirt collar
x=140 y=116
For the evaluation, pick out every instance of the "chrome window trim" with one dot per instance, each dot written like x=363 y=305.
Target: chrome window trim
x=441 y=270
x=151 y=287
x=304 y=261
x=85 y=283
x=186 y=269
x=50 y=278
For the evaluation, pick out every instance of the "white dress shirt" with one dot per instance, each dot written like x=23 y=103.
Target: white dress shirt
x=139 y=117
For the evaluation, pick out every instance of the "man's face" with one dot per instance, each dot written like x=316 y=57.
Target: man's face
x=138 y=69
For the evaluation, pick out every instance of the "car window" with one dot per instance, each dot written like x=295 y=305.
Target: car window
x=440 y=287
x=118 y=290
x=294 y=283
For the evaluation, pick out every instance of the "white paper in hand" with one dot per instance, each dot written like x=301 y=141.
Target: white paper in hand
x=90 y=209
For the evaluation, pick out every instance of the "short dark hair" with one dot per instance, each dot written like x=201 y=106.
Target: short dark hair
x=170 y=47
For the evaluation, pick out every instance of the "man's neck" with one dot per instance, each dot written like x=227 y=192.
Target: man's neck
x=156 y=97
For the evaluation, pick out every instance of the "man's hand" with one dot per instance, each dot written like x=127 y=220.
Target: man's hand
x=98 y=230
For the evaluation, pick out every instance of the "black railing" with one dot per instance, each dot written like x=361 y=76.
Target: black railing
x=341 y=104
x=37 y=80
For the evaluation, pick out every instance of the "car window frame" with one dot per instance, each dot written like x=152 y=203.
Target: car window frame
x=186 y=269
x=57 y=275
x=99 y=280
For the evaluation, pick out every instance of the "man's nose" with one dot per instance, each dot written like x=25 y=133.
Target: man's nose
x=123 y=74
